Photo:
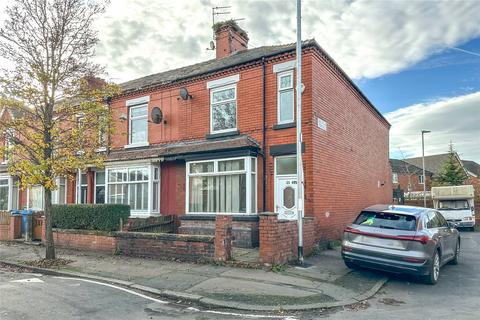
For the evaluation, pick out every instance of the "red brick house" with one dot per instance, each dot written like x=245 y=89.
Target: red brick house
x=408 y=177
x=219 y=137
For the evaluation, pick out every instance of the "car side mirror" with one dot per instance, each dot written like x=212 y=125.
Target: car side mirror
x=453 y=225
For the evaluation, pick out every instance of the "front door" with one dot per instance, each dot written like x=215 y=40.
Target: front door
x=286 y=197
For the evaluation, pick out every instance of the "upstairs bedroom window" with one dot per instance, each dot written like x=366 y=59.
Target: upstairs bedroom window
x=285 y=97
x=223 y=109
x=138 y=124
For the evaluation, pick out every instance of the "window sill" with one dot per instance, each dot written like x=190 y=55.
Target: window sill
x=136 y=145
x=222 y=134
x=284 y=126
x=144 y=214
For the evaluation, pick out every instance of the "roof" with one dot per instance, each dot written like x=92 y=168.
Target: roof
x=472 y=166
x=239 y=58
x=433 y=163
x=409 y=210
x=403 y=167
x=182 y=148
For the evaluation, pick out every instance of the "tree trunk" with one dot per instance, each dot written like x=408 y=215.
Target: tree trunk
x=50 y=247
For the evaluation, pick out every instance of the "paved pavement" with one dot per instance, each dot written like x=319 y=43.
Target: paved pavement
x=326 y=283
x=39 y=297
x=456 y=296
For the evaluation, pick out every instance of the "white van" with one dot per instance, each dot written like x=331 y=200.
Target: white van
x=456 y=204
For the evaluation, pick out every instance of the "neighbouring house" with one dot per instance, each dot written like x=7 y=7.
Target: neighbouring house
x=409 y=177
x=219 y=137
x=435 y=163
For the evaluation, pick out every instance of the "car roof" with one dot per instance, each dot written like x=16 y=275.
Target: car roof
x=407 y=210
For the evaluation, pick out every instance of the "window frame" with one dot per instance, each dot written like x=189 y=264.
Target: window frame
x=130 y=119
x=280 y=90
x=9 y=191
x=104 y=185
x=151 y=170
x=249 y=172
x=421 y=179
x=222 y=88
x=79 y=186
x=394 y=177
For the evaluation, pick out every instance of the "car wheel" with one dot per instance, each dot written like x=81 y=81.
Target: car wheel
x=351 y=265
x=456 y=258
x=434 y=274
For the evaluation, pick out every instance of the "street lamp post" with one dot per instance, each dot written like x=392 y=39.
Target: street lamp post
x=423 y=168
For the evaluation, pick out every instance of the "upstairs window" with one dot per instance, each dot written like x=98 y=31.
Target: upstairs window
x=285 y=97
x=138 y=124
x=223 y=109
x=420 y=179
x=394 y=177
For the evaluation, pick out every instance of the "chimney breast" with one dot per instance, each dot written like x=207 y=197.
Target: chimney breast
x=230 y=38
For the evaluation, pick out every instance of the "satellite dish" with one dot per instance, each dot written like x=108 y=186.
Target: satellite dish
x=184 y=94
x=156 y=115
x=212 y=45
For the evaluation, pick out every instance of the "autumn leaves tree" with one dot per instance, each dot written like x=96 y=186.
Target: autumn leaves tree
x=52 y=88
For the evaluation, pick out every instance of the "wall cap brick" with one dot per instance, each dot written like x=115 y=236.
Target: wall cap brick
x=165 y=236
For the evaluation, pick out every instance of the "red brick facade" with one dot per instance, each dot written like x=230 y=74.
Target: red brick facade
x=411 y=182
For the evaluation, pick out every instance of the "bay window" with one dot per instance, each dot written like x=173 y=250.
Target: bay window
x=135 y=186
x=223 y=109
x=222 y=186
x=100 y=187
x=4 y=194
x=59 y=196
x=82 y=187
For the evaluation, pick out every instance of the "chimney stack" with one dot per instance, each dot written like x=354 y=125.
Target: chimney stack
x=230 y=38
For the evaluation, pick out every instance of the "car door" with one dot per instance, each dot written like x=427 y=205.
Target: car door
x=448 y=235
x=439 y=234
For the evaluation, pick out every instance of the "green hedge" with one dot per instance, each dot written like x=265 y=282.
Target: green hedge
x=105 y=217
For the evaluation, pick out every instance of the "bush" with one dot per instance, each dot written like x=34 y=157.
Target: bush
x=105 y=217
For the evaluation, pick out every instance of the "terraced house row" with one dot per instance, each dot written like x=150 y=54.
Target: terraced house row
x=219 y=137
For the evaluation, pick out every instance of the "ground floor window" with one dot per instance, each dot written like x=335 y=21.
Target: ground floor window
x=100 y=187
x=82 y=187
x=222 y=186
x=35 y=198
x=135 y=186
x=4 y=194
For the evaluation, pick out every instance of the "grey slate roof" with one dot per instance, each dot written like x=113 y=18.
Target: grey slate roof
x=403 y=167
x=239 y=58
x=472 y=166
x=182 y=148
x=208 y=66
x=433 y=163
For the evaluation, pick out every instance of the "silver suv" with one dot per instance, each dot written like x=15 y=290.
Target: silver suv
x=401 y=239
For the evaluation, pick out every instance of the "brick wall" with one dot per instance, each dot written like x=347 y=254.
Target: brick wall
x=85 y=240
x=12 y=230
x=412 y=180
x=166 y=246
x=223 y=238
x=349 y=168
x=245 y=232
x=279 y=239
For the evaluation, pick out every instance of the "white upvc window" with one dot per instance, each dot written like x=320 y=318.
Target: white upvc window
x=35 y=198
x=82 y=187
x=8 y=144
x=394 y=177
x=59 y=196
x=227 y=186
x=420 y=179
x=285 y=97
x=5 y=194
x=223 y=109
x=137 y=186
x=99 y=187
x=138 y=125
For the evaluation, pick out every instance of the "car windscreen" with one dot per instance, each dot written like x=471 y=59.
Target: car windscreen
x=386 y=220
x=453 y=205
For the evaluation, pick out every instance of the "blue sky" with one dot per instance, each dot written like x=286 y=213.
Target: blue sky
x=448 y=73
x=398 y=52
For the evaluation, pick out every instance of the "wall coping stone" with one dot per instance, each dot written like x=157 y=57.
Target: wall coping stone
x=268 y=214
x=165 y=236
x=86 y=232
x=212 y=217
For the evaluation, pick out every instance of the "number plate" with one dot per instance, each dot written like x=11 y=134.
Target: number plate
x=380 y=242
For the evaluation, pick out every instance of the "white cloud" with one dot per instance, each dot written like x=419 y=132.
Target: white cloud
x=453 y=119
x=368 y=38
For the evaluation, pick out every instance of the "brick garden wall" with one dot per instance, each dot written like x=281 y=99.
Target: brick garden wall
x=279 y=239
x=12 y=230
x=85 y=240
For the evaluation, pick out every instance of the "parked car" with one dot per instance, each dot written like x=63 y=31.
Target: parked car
x=401 y=239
